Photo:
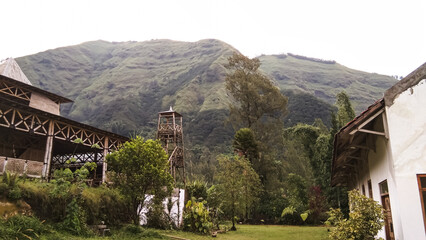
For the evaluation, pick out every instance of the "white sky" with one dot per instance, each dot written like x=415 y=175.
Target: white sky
x=382 y=36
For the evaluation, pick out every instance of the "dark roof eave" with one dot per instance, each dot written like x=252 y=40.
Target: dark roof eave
x=170 y=113
x=64 y=119
x=344 y=132
x=36 y=89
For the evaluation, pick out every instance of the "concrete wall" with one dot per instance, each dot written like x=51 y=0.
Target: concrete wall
x=21 y=166
x=407 y=132
x=44 y=103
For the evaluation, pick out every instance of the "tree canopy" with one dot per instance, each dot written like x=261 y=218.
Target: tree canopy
x=139 y=168
x=254 y=94
x=345 y=112
x=245 y=143
x=238 y=184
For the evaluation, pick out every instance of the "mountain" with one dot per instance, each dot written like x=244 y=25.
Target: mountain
x=324 y=79
x=121 y=86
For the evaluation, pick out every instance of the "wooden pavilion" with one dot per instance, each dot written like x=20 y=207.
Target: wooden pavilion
x=35 y=139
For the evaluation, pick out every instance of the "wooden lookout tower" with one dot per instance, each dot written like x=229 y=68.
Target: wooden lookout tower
x=170 y=133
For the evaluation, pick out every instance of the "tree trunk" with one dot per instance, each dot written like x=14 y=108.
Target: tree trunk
x=233 y=228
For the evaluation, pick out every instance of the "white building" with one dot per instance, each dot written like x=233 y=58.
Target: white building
x=382 y=153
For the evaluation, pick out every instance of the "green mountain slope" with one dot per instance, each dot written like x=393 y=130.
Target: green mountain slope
x=324 y=79
x=122 y=86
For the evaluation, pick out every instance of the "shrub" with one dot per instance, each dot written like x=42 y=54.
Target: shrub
x=3 y=189
x=10 y=179
x=365 y=219
x=290 y=216
x=197 y=217
x=14 y=194
x=133 y=229
x=22 y=227
x=157 y=217
x=104 y=204
x=197 y=189
x=317 y=205
x=75 y=221
x=44 y=203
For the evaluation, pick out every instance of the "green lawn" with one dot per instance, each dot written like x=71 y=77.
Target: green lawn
x=246 y=232
x=262 y=232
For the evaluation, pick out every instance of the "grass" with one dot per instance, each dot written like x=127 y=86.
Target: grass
x=246 y=232
x=270 y=232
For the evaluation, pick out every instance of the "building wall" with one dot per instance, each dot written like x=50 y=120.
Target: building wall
x=44 y=103
x=407 y=133
x=381 y=168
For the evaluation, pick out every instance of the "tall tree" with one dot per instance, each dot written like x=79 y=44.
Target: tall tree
x=254 y=94
x=260 y=106
x=140 y=168
x=345 y=112
x=238 y=184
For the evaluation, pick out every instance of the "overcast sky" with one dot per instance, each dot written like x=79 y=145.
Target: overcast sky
x=382 y=36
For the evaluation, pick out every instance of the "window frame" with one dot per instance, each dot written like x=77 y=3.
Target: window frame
x=421 y=190
x=363 y=190
x=370 y=189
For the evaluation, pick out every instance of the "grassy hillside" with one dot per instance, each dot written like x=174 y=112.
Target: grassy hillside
x=324 y=79
x=122 y=86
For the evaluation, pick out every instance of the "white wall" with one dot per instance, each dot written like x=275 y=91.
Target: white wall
x=407 y=133
x=381 y=168
x=178 y=199
x=44 y=103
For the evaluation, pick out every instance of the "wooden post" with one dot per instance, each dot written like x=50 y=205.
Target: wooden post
x=48 y=152
x=104 y=164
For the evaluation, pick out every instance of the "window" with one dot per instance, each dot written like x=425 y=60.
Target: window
x=384 y=193
x=363 y=189
x=384 y=188
x=370 y=189
x=421 y=179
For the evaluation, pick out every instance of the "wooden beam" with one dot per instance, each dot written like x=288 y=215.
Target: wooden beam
x=385 y=125
x=366 y=122
x=360 y=146
x=372 y=132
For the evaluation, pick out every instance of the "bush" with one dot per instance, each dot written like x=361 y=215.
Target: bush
x=14 y=194
x=290 y=216
x=75 y=220
x=22 y=227
x=104 y=204
x=3 y=189
x=157 y=217
x=133 y=229
x=46 y=200
x=365 y=219
x=197 y=217
x=197 y=189
x=99 y=204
